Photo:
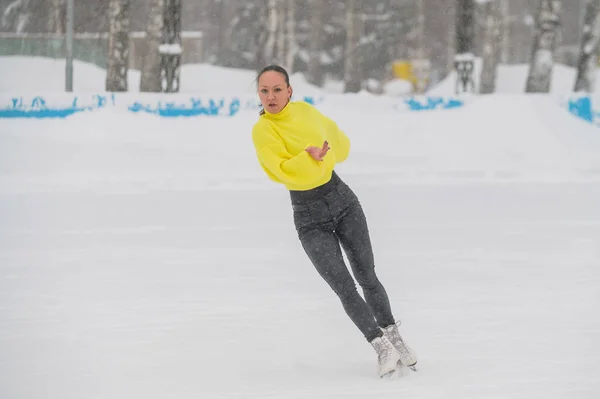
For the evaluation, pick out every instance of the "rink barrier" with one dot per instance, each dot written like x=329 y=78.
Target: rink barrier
x=430 y=103
x=582 y=107
x=167 y=106
x=62 y=105
x=54 y=106
x=183 y=106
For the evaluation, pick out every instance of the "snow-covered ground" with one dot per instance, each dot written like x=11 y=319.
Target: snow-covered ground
x=23 y=74
x=38 y=74
x=151 y=258
x=511 y=79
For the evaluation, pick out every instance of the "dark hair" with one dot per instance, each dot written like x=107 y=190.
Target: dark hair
x=273 y=68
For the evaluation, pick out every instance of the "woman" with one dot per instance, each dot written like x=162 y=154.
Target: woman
x=298 y=147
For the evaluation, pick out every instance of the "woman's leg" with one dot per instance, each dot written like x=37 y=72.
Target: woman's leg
x=323 y=249
x=353 y=233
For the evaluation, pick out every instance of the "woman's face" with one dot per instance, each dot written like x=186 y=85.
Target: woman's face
x=273 y=91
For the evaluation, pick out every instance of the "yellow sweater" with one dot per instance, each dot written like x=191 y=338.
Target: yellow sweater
x=280 y=141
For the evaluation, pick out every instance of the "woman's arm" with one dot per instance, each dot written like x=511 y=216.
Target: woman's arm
x=300 y=169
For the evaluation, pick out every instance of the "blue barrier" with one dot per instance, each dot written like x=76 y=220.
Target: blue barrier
x=38 y=107
x=163 y=106
x=182 y=106
x=582 y=108
x=195 y=108
x=432 y=103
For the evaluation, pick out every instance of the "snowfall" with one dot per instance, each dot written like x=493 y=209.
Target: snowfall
x=150 y=258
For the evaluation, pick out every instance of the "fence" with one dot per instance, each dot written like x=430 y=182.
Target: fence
x=61 y=105
x=93 y=47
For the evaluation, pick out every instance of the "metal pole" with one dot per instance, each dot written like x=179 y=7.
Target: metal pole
x=69 y=71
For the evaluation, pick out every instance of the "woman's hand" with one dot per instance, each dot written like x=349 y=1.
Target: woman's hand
x=318 y=153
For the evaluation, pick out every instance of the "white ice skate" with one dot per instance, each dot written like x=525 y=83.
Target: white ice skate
x=408 y=358
x=387 y=355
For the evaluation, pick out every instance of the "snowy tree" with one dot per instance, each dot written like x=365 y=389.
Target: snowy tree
x=315 y=44
x=118 y=45
x=416 y=35
x=465 y=32
x=279 y=47
x=160 y=72
x=417 y=47
x=227 y=18
x=588 y=53
x=282 y=32
x=273 y=30
x=261 y=36
x=544 y=45
x=353 y=54
x=170 y=49
x=292 y=48
x=465 y=26
x=16 y=16
x=505 y=19
x=492 y=39
x=57 y=16
x=150 y=80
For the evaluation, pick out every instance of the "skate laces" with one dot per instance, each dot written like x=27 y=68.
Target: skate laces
x=407 y=357
x=383 y=348
x=397 y=340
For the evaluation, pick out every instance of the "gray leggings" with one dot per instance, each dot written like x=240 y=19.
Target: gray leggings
x=326 y=217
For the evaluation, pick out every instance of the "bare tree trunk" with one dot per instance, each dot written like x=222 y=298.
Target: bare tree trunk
x=399 y=42
x=272 y=24
x=315 y=46
x=416 y=35
x=544 y=44
x=209 y=31
x=281 y=32
x=353 y=58
x=150 y=81
x=465 y=26
x=418 y=48
x=452 y=38
x=118 y=46
x=170 y=49
x=506 y=42
x=262 y=37
x=588 y=53
x=57 y=17
x=291 y=35
x=228 y=10
x=16 y=16
x=464 y=58
x=491 y=46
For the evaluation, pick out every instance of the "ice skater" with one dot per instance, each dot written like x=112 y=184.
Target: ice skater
x=298 y=146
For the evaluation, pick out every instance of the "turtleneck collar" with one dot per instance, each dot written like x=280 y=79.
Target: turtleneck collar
x=283 y=114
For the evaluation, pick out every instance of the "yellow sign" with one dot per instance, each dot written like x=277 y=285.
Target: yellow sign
x=415 y=71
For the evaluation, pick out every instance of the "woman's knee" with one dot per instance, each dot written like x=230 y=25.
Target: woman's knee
x=345 y=289
x=366 y=278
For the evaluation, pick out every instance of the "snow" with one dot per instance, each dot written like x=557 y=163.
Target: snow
x=511 y=79
x=195 y=78
x=397 y=87
x=464 y=57
x=145 y=257
x=206 y=78
x=46 y=75
x=170 y=49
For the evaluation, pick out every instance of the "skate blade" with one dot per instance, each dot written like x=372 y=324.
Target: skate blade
x=413 y=366
x=392 y=375
x=395 y=374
